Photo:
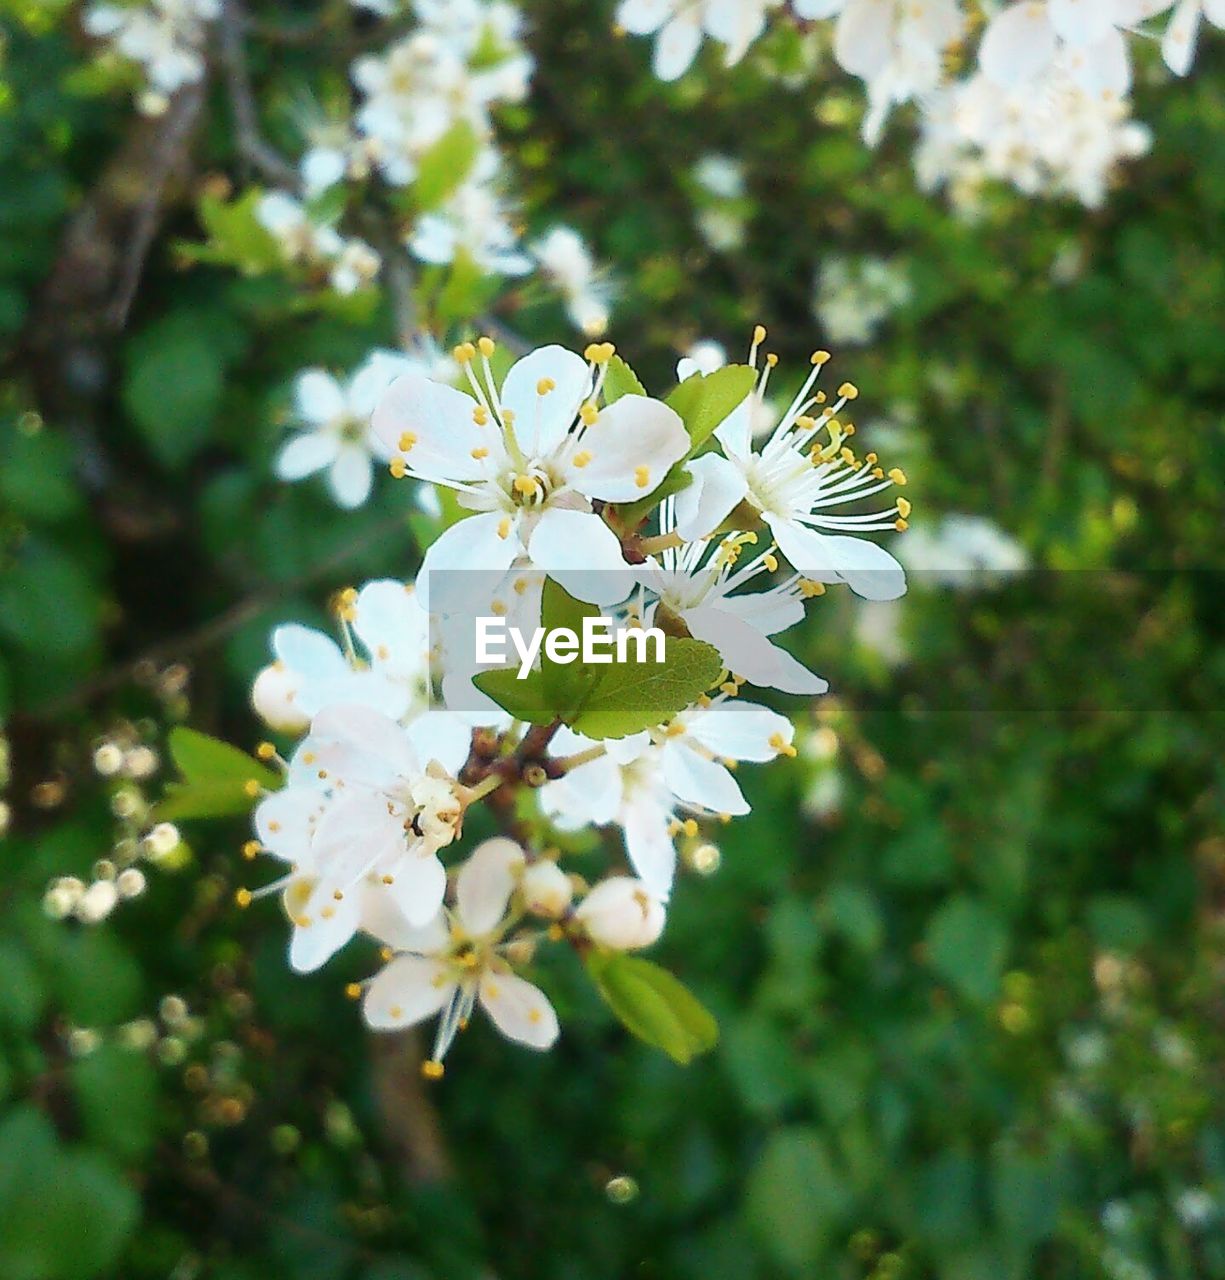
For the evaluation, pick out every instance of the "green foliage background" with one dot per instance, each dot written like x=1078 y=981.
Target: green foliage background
x=972 y=1020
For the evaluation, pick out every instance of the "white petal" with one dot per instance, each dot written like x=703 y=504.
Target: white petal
x=485 y=884
x=677 y=44
x=520 y=1011
x=590 y=794
x=1018 y=44
x=309 y=653
x=354 y=834
x=702 y=783
x=1214 y=11
x=641 y=17
x=735 y=432
x=306 y=453
x=816 y=8
x=718 y=485
x=389 y=620
x=409 y=990
x=441 y=736
x=748 y=653
x=740 y=730
x=318 y=397
x=542 y=421
x=365 y=730
x=382 y=918
x=314 y=944
x=649 y=845
x=579 y=551
x=351 y=476
x=1178 y=43
x=633 y=444
x=439 y=420
x=1102 y=68
x=370 y=382
x=284 y=822
x=863 y=42
x=1082 y=21
x=870 y=571
x=737 y=23
x=769 y=611
x=470 y=544
x=418 y=885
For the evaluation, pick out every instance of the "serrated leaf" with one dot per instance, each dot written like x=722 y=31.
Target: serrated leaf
x=655 y=1006
x=216 y=778
x=566 y=685
x=525 y=699
x=621 y=380
x=445 y=165
x=703 y=401
x=638 y=695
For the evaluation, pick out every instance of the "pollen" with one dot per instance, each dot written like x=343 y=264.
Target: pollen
x=770 y=561
x=901 y=525
x=406 y=441
x=582 y=458
x=731 y=688
x=432 y=1069
x=265 y=751
x=478 y=454
x=811 y=589
x=782 y=746
x=487 y=346
x=504 y=527
x=480 y=415
x=353 y=990
x=904 y=508
x=242 y=897
x=588 y=413
x=251 y=849
x=527 y=485
x=398 y=468
x=544 y=386
x=251 y=788
x=759 y=333
x=463 y=353
x=848 y=390
x=771 y=359
x=897 y=475
x=820 y=357
x=642 y=476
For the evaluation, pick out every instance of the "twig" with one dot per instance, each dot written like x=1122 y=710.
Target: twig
x=251 y=145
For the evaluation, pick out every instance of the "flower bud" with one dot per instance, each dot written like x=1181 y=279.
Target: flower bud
x=273 y=697
x=621 y=913
x=546 y=889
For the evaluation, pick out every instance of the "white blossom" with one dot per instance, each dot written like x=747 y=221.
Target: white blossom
x=621 y=913
x=856 y=295
x=567 y=264
x=679 y=26
x=166 y=37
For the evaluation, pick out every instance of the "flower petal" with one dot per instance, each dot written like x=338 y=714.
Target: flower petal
x=579 y=551
x=631 y=446
x=863 y=37
x=407 y=991
x=441 y=426
x=718 y=485
x=1018 y=44
x=309 y=653
x=318 y=397
x=1082 y=21
x=370 y=733
x=351 y=476
x=649 y=845
x=740 y=730
x=520 y=1011
x=305 y=453
x=313 y=944
x=748 y=653
x=870 y=571
x=699 y=782
x=485 y=884
x=441 y=736
x=382 y=918
x=542 y=421
x=474 y=543
x=677 y=44
x=418 y=885
x=389 y=620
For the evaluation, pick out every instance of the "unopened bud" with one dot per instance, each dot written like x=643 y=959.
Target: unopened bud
x=546 y=889
x=273 y=697
x=621 y=913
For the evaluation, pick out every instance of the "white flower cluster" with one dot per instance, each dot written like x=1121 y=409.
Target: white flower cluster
x=165 y=37
x=856 y=295
x=384 y=771
x=348 y=263
x=1046 y=107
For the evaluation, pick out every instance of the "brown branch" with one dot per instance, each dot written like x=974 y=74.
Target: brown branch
x=411 y=1129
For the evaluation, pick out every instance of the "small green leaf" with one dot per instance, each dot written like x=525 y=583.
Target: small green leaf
x=216 y=778
x=638 y=695
x=654 y=1005
x=967 y=945
x=525 y=699
x=445 y=165
x=620 y=381
x=236 y=237
x=566 y=685
x=705 y=400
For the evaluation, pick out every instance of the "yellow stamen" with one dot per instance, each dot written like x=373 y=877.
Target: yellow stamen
x=265 y=751
x=848 y=390
x=770 y=561
x=782 y=746
x=487 y=347
x=406 y=441
x=398 y=468
x=820 y=357
x=478 y=454
x=251 y=849
x=544 y=386
x=353 y=990
x=904 y=508
x=432 y=1070
x=242 y=897
x=582 y=458
x=642 y=476
x=897 y=475
x=527 y=485
x=588 y=413
x=504 y=527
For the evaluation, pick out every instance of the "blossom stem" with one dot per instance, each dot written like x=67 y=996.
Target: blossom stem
x=490 y=783
x=583 y=757
x=662 y=542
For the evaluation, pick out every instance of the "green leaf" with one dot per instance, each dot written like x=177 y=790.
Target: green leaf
x=654 y=1005
x=967 y=945
x=631 y=514
x=445 y=165
x=525 y=699
x=116 y=1093
x=566 y=685
x=216 y=778
x=621 y=380
x=633 y=696
x=795 y=1196
x=705 y=400
x=236 y=237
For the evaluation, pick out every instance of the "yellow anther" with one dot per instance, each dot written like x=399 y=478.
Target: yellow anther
x=353 y=990
x=478 y=454
x=463 y=353
x=508 y=417
x=642 y=476
x=848 y=390
x=242 y=897
x=303 y=922
x=251 y=788
x=820 y=357
x=811 y=589
x=309 y=757
x=534 y=1015
x=396 y=1011
x=338 y=895
x=901 y=526
x=759 y=333
x=504 y=528
x=385 y=954
x=897 y=475
x=398 y=468
x=704 y=700
x=588 y=413
x=492 y=990
x=328 y=913
x=555 y=933
x=731 y=688
x=847 y=456
x=904 y=508
x=431 y=1069
x=347 y=595
x=388 y=879
x=871 y=459
x=805 y=423
x=498 y=609
x=406 y=441
x=480 y=415
x=520 y=585
x=251 y=849
x=544 y=386
x=771 y=359
x=820 y=397
x=770 y=561
x=527 y=485
x=781 y=745
x=878 y=473
x=265 y=751
x=849 y=429
x=689 y=827
x=487 y=346
x=582 y=458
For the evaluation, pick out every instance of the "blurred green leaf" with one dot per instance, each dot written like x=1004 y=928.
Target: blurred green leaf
x=967 y=945
x=653 y=1004
x=219 y=780
x=794 y=1197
